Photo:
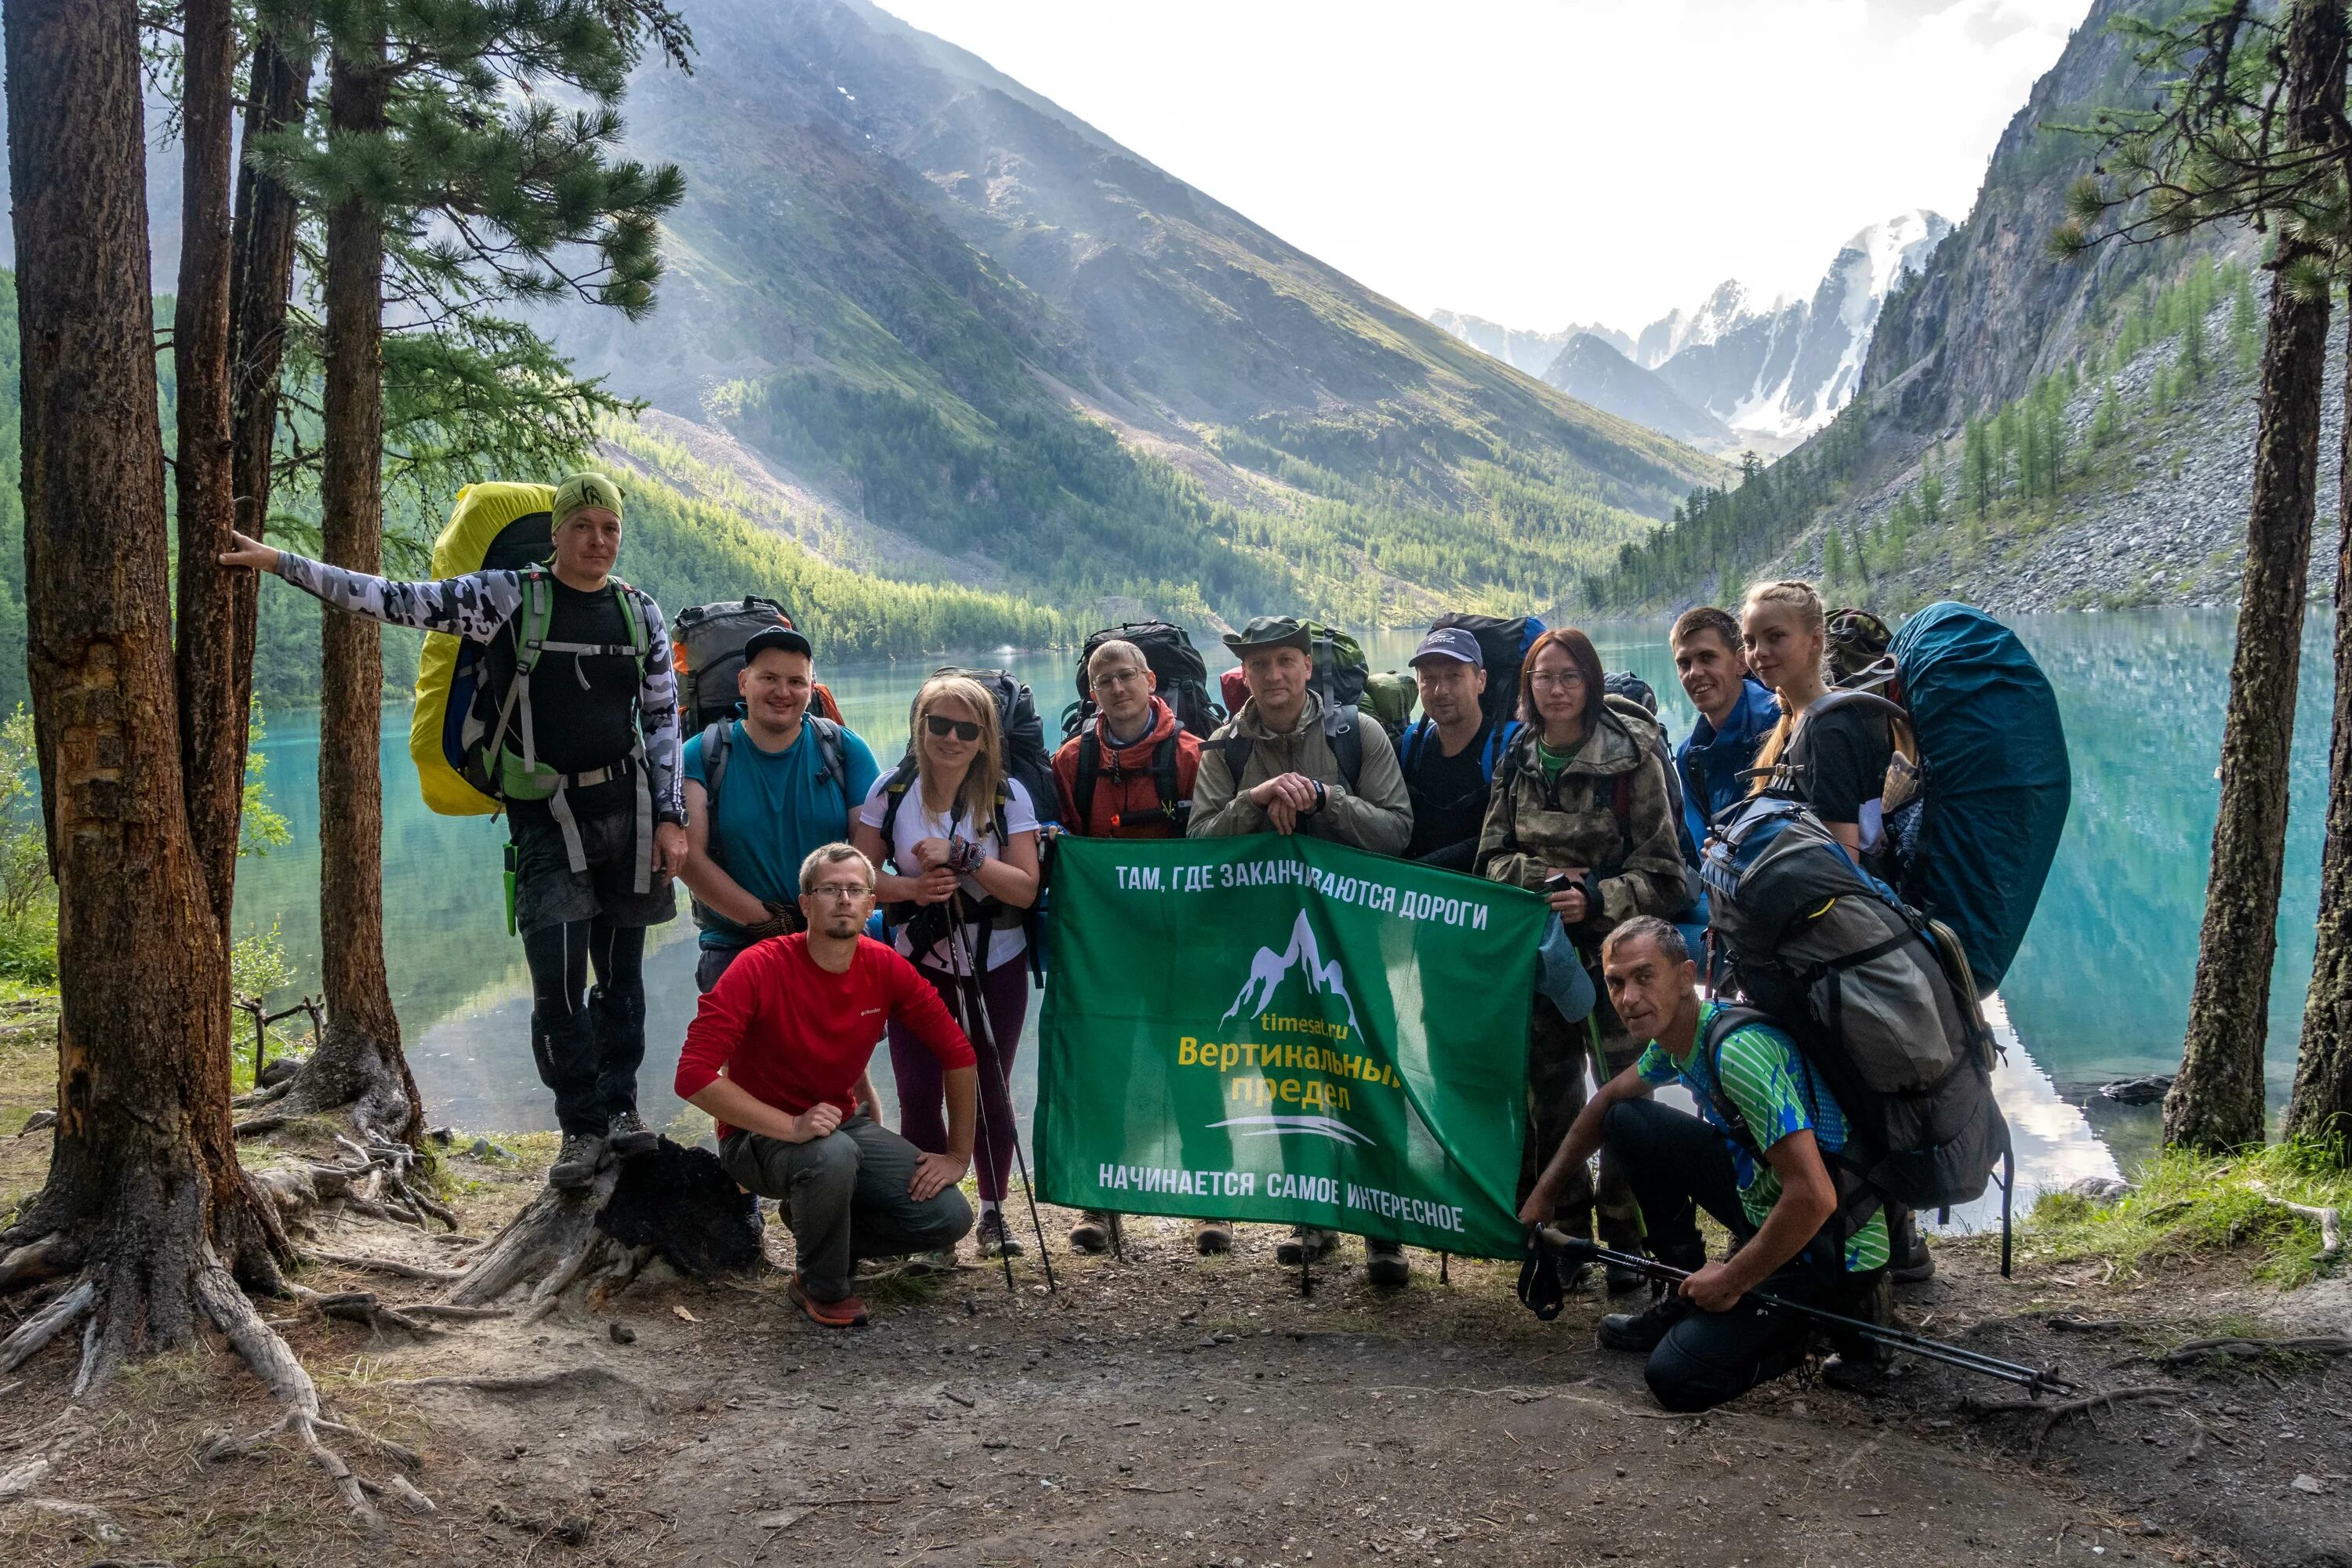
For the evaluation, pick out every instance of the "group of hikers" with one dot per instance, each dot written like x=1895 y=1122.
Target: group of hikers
x=788 y=835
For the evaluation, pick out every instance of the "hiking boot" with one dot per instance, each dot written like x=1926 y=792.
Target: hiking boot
x=626 y=1136
x=995 y=1237
x=1909 y=1261
x=576 y=1163
x=1624 y=1280
x=1642 y=1330
x=1306 y=1244
x=849 y=1312
x=1384 y=1264
x=939 y=1260
x=1213 y=1237
x=1092 y=1232
x=1861 y=1365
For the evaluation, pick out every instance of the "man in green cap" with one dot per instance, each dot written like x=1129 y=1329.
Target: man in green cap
x=1286 y=764
x=584 y=756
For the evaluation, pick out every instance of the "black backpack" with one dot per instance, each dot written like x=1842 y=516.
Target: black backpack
x=706 y=649
x=1878 y=998
x=1182 y=674
x=1503 y=642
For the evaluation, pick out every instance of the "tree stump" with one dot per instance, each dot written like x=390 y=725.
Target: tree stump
x=675 y=1203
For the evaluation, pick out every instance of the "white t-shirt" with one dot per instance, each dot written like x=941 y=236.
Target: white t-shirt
x=915 y=823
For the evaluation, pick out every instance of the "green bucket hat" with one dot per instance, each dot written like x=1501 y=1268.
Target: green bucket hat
x=575 y=492
x=1271 y=631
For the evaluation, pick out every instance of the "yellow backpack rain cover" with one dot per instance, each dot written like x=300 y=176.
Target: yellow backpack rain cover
x=497 y=525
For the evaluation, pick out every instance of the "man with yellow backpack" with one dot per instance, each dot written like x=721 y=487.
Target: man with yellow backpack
x=554 y=699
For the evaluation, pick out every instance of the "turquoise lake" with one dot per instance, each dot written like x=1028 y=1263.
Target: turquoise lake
x=2099 y=990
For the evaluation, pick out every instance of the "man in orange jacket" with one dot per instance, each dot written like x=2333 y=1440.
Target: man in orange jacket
x=1128 y=775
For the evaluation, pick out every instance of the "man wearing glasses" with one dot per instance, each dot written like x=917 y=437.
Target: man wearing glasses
x=778 y=1056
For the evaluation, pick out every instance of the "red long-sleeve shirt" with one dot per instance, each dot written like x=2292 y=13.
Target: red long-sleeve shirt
x=792 y=1033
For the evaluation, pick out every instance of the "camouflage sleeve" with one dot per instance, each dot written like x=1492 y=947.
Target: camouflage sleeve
x=658 y=718
x=473 y=607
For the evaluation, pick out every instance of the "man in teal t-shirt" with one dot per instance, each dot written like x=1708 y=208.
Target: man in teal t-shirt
x=1752 y=1159
x=789 y=782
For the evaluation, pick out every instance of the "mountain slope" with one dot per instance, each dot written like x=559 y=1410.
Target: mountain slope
x=1776 y=374
x=1592 y=371
x=2029 y=432
x=1530 y=351
x=985 y=327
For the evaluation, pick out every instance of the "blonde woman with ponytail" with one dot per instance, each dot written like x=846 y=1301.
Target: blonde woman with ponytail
x=1833 y=758
x=1834 y=761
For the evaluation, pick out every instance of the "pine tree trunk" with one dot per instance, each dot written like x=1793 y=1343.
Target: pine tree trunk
x=143 y=1187
x=2321 y=1104
x=359 y=1064
x=2217 y=1103
x=214 y=666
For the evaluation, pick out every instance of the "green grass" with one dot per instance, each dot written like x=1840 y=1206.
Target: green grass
x=2188 y=1206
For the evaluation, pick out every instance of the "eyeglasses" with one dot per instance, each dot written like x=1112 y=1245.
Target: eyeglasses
x=1120 y=677
x=844 y=891
x=939 y=724
x=1557 y=680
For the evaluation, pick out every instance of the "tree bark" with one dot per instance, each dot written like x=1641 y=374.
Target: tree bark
x=143 y=1186
x=2321 y=1104
x=261 y=275
x=359 y=1062
x=212 y=707
x=2217 y=1101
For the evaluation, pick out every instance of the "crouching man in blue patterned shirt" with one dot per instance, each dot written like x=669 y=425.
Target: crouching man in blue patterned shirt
x=1752 y=1159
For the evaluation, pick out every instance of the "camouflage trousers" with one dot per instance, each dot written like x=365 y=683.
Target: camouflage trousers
x=1560 y=1056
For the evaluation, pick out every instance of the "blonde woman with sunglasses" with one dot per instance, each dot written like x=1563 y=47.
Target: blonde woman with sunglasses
x=954 y=843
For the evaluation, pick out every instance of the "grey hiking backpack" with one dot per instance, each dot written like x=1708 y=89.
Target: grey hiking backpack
x=1877 y=997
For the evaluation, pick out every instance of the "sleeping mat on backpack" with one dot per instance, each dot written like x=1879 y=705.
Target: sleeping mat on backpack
x=1997 y=782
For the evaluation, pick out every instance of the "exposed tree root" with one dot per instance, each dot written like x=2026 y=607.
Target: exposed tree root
x=273 y=1362
x=51 y=1258
x=392 y=1266
x=534 y=1383
x=2197 y=1350
x=361 y=1307
x=2051 y=1415
x=46 y=1325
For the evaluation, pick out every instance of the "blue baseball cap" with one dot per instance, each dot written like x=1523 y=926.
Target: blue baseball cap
x=1454 y=643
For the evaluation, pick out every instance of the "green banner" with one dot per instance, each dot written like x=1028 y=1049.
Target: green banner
x=1285 y=1029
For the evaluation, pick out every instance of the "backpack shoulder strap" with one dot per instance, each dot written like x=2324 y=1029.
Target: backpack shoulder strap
x=1238 y=749
x=894 y=796
x=1347 y=743
x=1727 y=1022
x=832 y=763
x=718 y=744
x=1163 y=771
x=1409 y=744
x=1082 y=792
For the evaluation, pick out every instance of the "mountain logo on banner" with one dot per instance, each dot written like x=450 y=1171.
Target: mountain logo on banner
x=1269 y=969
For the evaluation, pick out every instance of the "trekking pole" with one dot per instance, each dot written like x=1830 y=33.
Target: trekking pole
x=2035 y=1381
x=979 y=1100
x=961 y=948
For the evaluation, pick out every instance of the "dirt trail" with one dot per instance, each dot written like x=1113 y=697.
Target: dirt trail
x=1167 y=1409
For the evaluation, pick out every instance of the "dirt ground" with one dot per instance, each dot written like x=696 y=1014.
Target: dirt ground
x=1171 y=1409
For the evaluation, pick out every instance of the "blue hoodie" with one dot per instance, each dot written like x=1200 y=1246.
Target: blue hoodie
x=1710 y=762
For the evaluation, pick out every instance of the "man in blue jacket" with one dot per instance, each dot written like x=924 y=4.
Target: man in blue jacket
x=1736 y=712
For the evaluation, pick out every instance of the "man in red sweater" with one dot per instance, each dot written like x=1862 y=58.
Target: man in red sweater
x=1128 y=775
x=778 y=1056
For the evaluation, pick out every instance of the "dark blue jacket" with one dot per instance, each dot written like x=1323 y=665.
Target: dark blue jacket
x=1711 y=762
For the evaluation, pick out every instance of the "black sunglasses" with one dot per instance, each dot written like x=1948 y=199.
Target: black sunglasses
x=961 y=728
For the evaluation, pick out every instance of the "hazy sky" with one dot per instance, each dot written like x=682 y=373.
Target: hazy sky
x=1538 y=162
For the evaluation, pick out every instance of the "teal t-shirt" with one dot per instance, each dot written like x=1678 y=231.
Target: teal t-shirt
x=1775 y=1092
x=772 y=812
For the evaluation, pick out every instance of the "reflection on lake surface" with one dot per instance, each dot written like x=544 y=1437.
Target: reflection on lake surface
x=2099 y=990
